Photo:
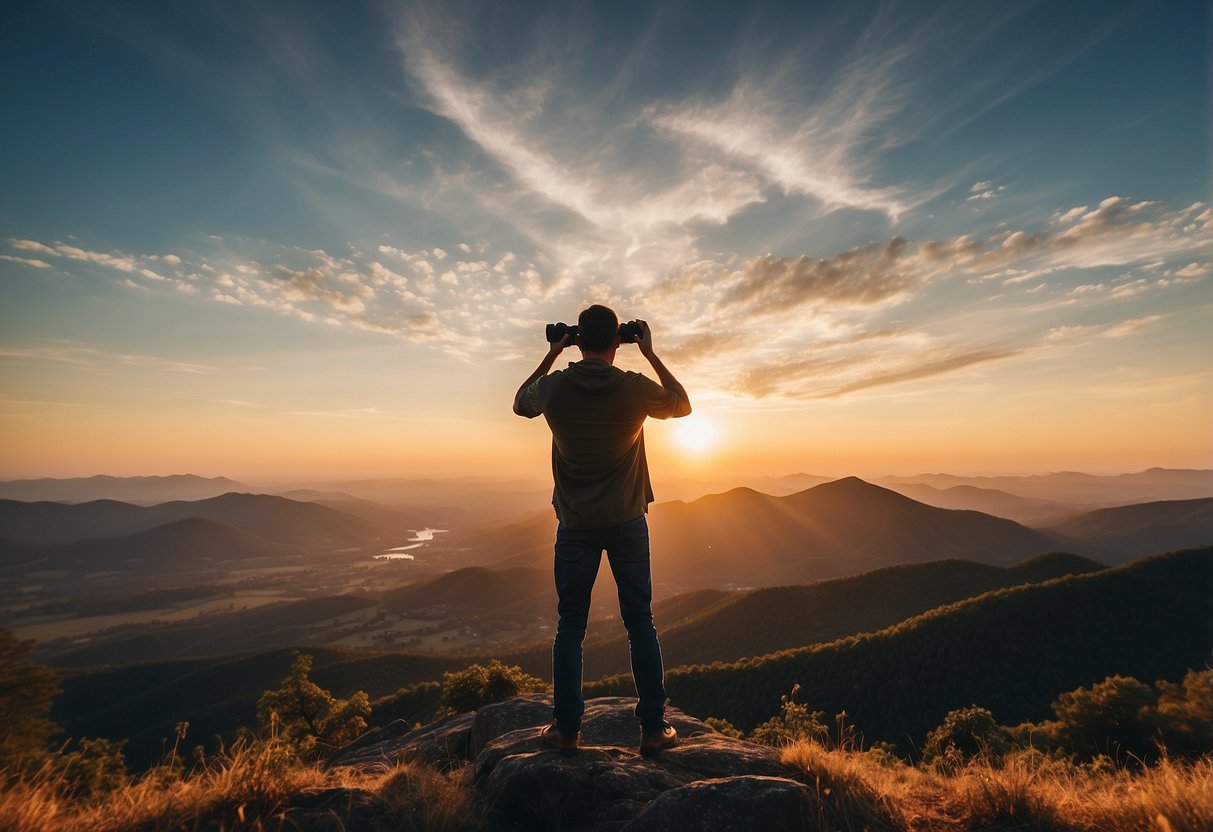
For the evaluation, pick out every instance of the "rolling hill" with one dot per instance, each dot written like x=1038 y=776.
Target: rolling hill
x=470 y=588
x=845 y=527
x=1117 y=535
x=1012 y=651
x=1025 y=510
x=285 y=624
x=710 y=626
x=274 y=519
x=191 y=546
x=47 y=523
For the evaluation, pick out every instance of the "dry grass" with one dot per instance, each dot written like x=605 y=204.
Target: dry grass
x=251 y=786
x=1024 y=792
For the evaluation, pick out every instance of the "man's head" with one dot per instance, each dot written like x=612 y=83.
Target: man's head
x=597 y=329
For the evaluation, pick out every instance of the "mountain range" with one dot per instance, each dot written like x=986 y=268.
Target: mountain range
x=125 y=489
x=295 y=551
x=1013 y=649
x=275 y=519
x=746 y=538
x=1087 y=490
x=1117 y=535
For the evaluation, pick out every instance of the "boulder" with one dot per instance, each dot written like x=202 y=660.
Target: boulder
x=732 y=804
x=707 y=781
x=336 y=809
x=443 y=745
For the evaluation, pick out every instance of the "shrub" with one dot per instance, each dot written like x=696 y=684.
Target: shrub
x=26 y=693
x=308 y=717
x=94 y=768
x=723 y=726
x=478 y=685
x=1117 y=717
x=1185 y=714
x=795 y=723
x=966 y=734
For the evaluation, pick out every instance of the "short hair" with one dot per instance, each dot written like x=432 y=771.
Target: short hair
x=597 y=327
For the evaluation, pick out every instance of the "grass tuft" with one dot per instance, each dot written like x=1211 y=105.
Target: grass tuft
x=252 y=785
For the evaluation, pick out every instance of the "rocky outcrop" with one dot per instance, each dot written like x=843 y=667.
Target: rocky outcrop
x=707 y=782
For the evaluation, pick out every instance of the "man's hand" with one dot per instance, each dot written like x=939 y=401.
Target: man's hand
x=557 y=347
x=645 y=341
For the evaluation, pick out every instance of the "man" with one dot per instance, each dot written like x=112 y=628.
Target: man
x=596 y=412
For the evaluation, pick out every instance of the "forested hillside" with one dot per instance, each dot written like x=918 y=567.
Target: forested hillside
x=778 y=618
x=144 y=702
x=1012 y=651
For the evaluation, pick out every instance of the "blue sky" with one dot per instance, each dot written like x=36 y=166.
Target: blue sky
x=314 y=237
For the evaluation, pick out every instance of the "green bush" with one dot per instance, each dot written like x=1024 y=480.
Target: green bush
x=308 y=717
x=479 y=685
x=966 y=734
x=723 y=726
x=1128 y=720
x=26 y=693
x=795 y=723
x=94 y=768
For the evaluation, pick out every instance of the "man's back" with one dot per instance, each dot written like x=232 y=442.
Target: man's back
x=596 y=413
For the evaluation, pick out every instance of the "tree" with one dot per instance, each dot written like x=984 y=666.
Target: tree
x=309 y=717
x=26 y=693
x=1117 y=717
x=478 y=685
x=1186 y=713
x=967 y=733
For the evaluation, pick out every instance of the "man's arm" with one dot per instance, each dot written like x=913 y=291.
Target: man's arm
x=645 y=342
x=542 y=370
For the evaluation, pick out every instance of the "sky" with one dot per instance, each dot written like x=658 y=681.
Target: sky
x=293 y=239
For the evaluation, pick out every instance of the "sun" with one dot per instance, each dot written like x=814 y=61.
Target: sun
x=696 y=433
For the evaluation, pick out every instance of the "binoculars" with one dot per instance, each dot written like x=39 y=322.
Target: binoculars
x=628 y=333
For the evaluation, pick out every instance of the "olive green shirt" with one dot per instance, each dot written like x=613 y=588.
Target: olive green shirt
x=596 y=413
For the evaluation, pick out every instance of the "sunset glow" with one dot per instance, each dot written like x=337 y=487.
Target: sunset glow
x=696 y=433
x=324 y=240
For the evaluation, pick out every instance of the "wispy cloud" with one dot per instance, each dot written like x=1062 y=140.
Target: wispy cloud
x=842 y=303
x=836 y=303
x=26 y=261
x=818 y=156
x=92 y=357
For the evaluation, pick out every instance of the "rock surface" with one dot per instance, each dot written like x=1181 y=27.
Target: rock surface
x=708 y=781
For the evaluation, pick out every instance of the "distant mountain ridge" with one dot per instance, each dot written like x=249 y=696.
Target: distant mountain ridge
x=831 y=530
x=1119 y=534
x=180 y=545
x=1029 y=511
x=127 y=489
x=275 y=519
x=1094 y=490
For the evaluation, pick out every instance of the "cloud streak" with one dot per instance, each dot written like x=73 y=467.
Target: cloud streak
x=842 y=304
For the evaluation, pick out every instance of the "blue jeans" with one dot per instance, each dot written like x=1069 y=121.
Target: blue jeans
x=578 y=555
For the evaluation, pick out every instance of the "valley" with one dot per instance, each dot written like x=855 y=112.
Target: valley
x=189 y=608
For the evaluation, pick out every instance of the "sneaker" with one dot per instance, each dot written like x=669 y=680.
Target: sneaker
x=653 y=743
x=566 y=744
